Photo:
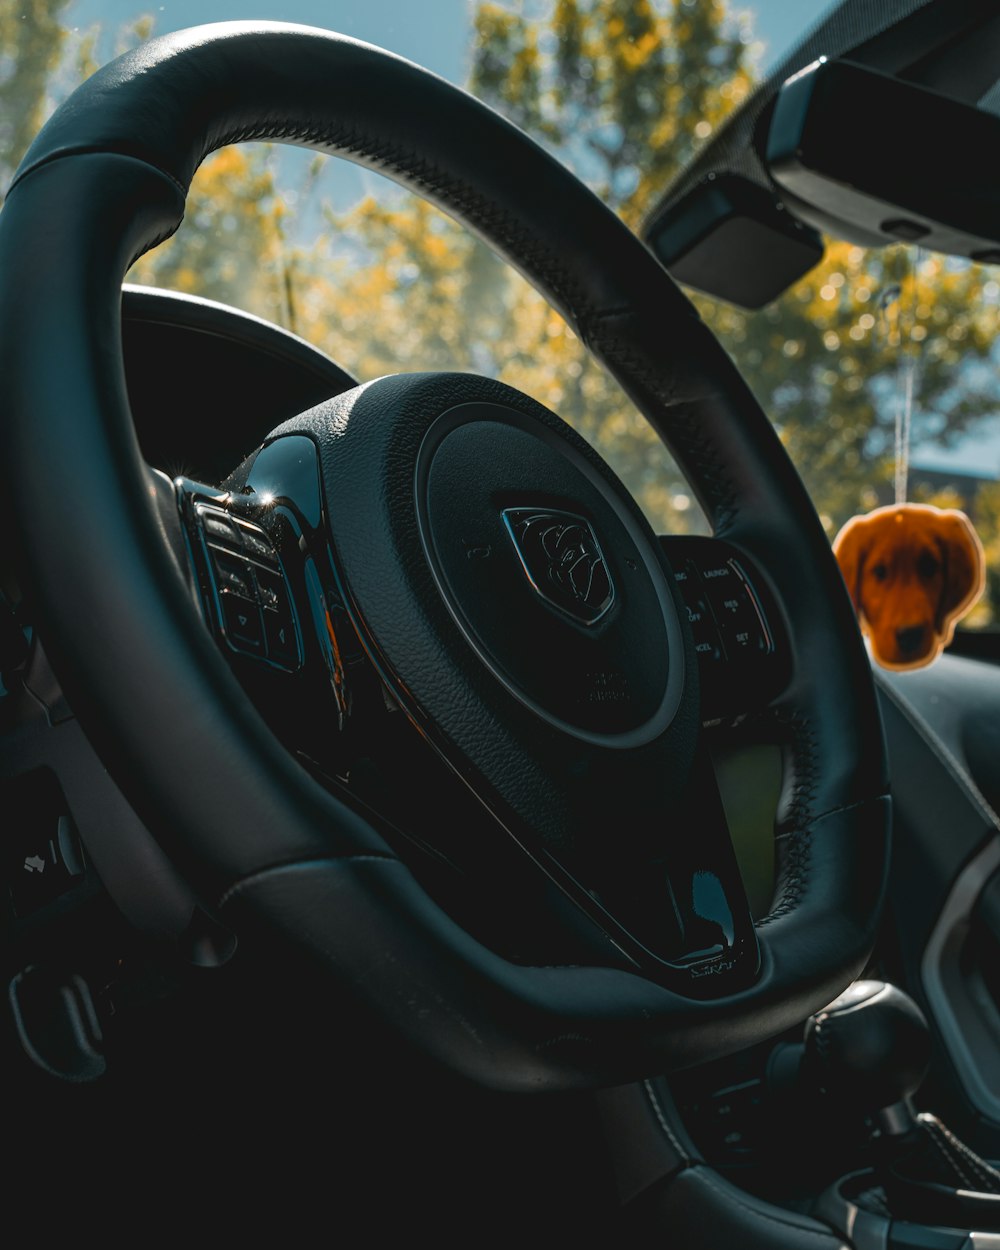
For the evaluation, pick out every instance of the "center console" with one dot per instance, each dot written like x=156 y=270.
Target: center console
x=805 y=1143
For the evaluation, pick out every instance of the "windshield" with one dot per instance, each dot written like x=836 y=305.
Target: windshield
x=878 y=368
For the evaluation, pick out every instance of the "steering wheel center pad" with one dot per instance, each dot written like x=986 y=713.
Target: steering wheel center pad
x=419 y=472
x=104 y=182
x=561 y=587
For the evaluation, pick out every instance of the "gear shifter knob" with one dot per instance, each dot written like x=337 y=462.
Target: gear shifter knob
x=870 y=1046
x=870 y=1050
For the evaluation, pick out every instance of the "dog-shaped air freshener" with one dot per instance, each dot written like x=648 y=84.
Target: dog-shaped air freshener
x=913 y=571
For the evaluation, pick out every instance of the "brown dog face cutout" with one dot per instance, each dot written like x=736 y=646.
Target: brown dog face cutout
x=913 y=572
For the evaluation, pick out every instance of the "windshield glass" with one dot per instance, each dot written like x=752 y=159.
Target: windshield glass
x=877 y=367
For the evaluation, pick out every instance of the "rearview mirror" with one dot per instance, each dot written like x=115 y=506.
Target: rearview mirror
x=873 y=159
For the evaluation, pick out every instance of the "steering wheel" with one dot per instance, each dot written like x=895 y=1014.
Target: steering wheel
x=558 y=677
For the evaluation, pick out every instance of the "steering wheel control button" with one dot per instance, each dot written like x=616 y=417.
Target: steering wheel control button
x=279 y=623
x=736 y=610
x=232 y=575
x=562 y=561
x=245 y=589
x=282 y=644
x=256 y=543
x=217 y=526
x=242 y=624
x=739 y=659
x=272 y=593
x=280 y=634
x=707 y=640
x=222 y=530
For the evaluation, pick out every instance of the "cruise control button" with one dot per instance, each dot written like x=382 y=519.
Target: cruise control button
x=232 y=575
x=732 y=603
x=273 y=592
x=217 y=526
x=698 y=614
x=241 y=621
x=742 y=628
x=708 y=645
x=256 y=543
x=282 y=643
x=748 y=637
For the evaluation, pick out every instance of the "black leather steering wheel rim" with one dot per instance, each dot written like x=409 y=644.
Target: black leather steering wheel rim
x=106 y=181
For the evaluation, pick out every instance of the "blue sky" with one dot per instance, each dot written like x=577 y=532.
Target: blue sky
x=434 y=33
x=431 y=32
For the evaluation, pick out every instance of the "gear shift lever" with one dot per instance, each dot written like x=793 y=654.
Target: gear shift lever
x=870 y=1048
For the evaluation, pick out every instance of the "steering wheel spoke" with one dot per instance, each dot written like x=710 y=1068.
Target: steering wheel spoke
x=686 y=905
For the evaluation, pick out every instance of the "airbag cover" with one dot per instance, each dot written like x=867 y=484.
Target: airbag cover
x=547 y=575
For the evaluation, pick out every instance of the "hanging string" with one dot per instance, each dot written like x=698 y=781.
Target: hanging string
x=908 y=358
x=888 y=331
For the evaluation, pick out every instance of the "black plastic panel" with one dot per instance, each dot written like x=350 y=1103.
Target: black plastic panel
x=733 y=239
x=206 y=382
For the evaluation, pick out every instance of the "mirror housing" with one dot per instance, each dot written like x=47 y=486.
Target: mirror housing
x=873 y=159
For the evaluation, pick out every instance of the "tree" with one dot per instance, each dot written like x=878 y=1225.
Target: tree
x=598 y=81
x=31 y=39
x=988 y=525
x=625 y=93
x=231 y=245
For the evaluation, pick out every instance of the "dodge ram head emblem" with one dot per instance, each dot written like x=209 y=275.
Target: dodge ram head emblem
x=562 y=560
